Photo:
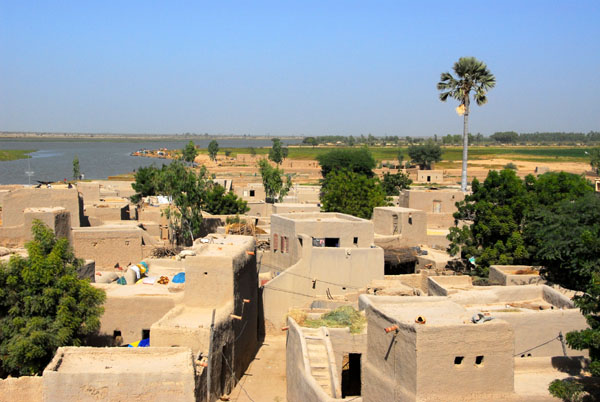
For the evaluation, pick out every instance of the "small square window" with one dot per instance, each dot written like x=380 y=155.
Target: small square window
x=458 y=360
x=251 y=193
x=479 y=360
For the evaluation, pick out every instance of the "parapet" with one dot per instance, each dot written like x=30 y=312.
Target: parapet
x=120 y=374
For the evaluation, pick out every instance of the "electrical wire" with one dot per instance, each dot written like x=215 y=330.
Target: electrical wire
x=237 y=381
x=538 y=346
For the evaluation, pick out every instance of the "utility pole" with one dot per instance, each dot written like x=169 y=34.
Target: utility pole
x=210 y=356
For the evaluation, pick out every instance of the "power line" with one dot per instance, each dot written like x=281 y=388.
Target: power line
x=538 y=346
x=289 y=291
x=233 y=374
x=321 y=280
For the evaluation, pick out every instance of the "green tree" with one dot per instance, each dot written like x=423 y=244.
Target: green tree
x=393 y=183
x=426 y=154
x=351 y=141
x=217 y=202
x=43 y=305
x=275 y=188
x=498 y=209
x=187 y=189
x=506 y=137
x=189 y=152
x=213 y=149
x=472 y=75
x=566 y=240
x=356 y=160
x=351 y=193
x=400 y=158
x=252 y=151
x=145 y=183
x=594 y=154
x=277 y=153
x=76 y=170
x=310 y=141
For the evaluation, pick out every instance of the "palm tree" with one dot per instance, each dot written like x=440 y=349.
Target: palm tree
x=472 y=75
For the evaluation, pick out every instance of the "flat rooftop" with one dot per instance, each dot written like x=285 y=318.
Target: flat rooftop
x=319 y=217
x=78 y=360
x=442 y=312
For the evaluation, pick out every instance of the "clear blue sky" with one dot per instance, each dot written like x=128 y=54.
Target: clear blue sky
x=288 y=68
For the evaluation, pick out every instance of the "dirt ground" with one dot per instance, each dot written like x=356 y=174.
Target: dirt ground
x=243 y=169
x=265 y=378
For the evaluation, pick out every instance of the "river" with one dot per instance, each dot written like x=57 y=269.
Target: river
x=53 y=160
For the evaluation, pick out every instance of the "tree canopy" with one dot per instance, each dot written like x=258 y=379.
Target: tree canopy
x=213 y=149
x=43 y=305
x=76 y=169
x=356 y=160
x=498 y=209
x=425 y=154
x=595 y=159
x=393 y=183
x=566 y=243
x=275 y=188
x=351 y=193
x=217 y=202
x=505 y=137
x=277 y=153
x=191 y=192
x=189 y=152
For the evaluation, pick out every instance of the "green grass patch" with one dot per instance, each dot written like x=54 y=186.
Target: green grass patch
x=341 y=317
x=14 y=154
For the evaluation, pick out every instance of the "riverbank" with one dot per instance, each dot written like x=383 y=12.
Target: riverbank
x=14 y=154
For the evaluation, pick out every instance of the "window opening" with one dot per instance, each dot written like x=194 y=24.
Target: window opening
x=332 y=242
x=355 y=241
x=251 y=193
x=479 y=360
x=145 y=334
x=351 y=385
x=437 y=207
x=458 y=360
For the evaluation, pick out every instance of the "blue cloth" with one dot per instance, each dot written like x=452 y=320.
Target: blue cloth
x=179 y=278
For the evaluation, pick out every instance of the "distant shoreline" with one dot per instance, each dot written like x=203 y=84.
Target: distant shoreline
x=26 y=136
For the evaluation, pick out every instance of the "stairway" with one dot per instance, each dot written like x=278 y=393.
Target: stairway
x=321 y=360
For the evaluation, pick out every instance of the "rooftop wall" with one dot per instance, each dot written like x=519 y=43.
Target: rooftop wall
x=511 y=275
x=15 y=203
x=120 y=374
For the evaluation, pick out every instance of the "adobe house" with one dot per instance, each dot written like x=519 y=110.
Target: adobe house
x=119 y=374
x=251 y=192
x=407 y=361
x=430 y=176
x=536 y=313
x=327 y=230
x=16 y=201
x=403 y=226
x=318 y=254
x=438 y=204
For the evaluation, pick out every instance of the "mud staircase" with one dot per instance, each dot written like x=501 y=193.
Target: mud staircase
x=321 y=361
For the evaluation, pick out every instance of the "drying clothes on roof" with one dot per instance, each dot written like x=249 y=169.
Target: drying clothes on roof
x=179 y=278
x=144 y=343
